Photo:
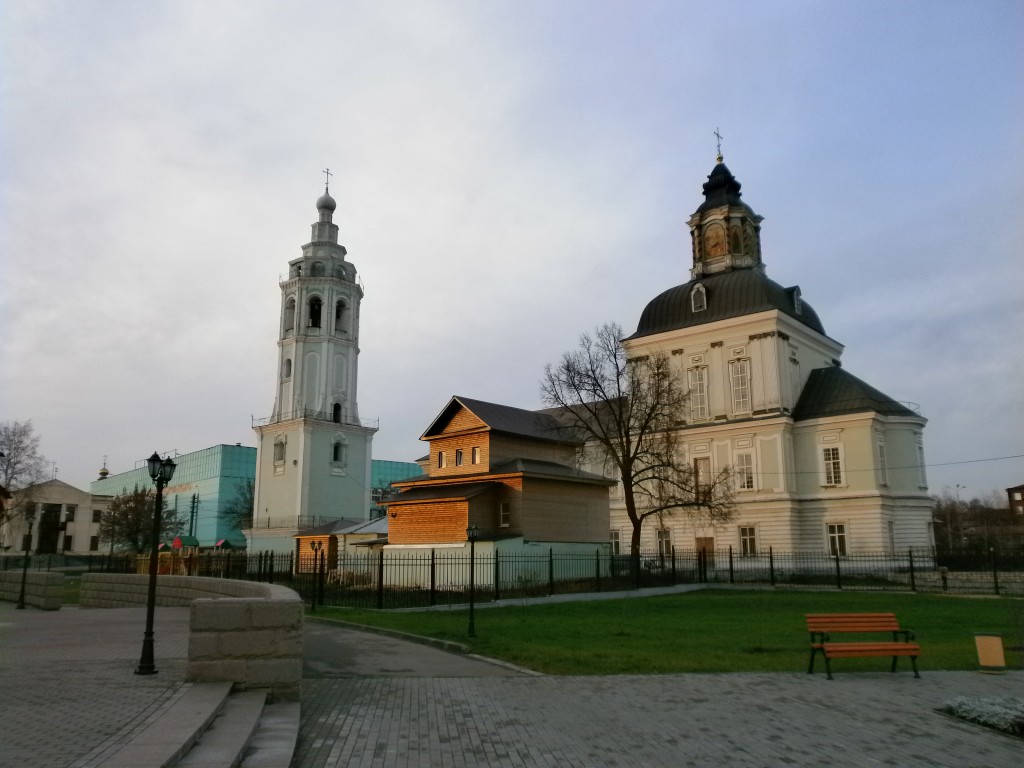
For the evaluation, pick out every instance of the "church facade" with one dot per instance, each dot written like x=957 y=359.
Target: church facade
x=820 y=460
x=313 y=454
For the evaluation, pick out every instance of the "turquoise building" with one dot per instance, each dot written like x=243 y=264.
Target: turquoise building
x=204 y=484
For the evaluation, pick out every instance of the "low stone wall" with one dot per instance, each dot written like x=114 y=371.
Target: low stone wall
x=42 y=589
x=242 y=632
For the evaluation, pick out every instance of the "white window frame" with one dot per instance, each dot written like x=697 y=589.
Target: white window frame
x=832 y=470
x=838 y=539
x=616 y=542
x=697 y=385
x=744 y=471
x=504 y=514
x=883 y=464
x=739 y=381
x=664 y=539
x=698 y=298
x=748 y=540
x=922 y=478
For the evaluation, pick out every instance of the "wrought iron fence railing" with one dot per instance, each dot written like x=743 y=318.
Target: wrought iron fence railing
x=392 y=579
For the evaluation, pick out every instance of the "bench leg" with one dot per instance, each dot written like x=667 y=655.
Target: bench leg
x=894 y=660
x=828 y=666
x=913 y=663
x=810 y=667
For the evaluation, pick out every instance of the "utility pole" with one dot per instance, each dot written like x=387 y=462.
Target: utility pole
x=192 y=515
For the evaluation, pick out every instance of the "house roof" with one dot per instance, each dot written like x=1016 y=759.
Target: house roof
x=443 y=491
x=728 y=294
x=834 y=392
x=376 y=526
x=536 y=467
x=501 y=418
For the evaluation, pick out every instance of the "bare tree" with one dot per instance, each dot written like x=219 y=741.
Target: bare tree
x=129 y=521
x=629 y=412
x=238 y=510
x=21 y=465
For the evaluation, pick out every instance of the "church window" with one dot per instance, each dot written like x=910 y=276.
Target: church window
x=340 y=320
x=798 y=303
x=739 y=378
x=286 y=369
x=336 y=413
x=698 y=298
x=833 y=465
x=837 y=539
x=338 y=452
x=922 y=479
x=744 y=471
x=883 y=468
x=279 y=450
x=697 y=379
x=748 y=541
x=289 y=315
x=664 y=542
x=318 y=269
x=736 y=240
x=315 y=306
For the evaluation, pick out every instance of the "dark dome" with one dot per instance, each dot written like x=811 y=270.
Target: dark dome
x=729 y=294
x=720 y=189
x=326 y=201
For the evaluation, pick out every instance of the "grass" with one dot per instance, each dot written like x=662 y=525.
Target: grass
x=706 y=631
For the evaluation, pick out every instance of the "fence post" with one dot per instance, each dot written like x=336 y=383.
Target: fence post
x=322 y=576
x=270 y=567
x=597 y=568
x=380 y=579
x=771 y=566
x=913 y=581
x=839 y=578
x=551 y=570
x=673 y=566
x=497 y=576
x=732 y=577
x=995 y=569
x=433 y=577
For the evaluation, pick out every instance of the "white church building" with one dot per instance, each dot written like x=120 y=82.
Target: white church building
x=313 y=454
x=821 y=460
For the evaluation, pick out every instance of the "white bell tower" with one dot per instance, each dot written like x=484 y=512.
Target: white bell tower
x=313 y=455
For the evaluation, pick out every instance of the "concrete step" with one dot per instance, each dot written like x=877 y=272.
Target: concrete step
x=163 y=742
x=273 y=744
x=227 y=739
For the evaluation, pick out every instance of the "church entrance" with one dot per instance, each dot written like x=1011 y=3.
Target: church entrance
x=49 y=529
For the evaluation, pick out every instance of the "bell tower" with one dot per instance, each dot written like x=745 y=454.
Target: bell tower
x=313 y=452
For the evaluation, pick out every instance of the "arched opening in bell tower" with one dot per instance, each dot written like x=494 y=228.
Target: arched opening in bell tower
x=336 y=413
x=315 y=305
x=341 y=317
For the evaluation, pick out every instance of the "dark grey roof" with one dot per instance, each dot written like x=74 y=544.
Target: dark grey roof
x=729 y=294
x=549 y=469
x=834 y=392
x=501 y=418
x=720 y=189
x=443 y=491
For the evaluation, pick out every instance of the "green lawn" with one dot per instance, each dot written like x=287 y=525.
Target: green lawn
x=706 y=631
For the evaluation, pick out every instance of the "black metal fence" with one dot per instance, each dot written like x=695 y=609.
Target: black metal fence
x=385 y=579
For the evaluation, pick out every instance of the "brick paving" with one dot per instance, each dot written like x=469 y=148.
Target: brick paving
x=69 y=697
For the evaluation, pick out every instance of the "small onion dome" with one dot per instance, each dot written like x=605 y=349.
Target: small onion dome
x=104 y=472
x=326 y=201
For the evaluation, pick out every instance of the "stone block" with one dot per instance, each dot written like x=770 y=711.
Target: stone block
x=266 y=673
x=278 y=613
x=219 y=671
x=220 y=615
x=249 y=644
x=204 y=646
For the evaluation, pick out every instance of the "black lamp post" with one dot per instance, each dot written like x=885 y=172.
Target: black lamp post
x=30 y=518
x=161 y=470
x=471 y=533
x=316 y=546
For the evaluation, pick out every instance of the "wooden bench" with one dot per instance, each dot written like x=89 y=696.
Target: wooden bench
x=823 y=625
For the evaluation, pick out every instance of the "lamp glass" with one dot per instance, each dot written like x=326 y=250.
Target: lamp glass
x=167 y=468
x=154 y=463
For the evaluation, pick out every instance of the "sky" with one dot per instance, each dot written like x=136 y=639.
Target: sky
x=509 y=174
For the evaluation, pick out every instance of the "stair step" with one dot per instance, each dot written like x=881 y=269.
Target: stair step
x=273 y=744
x=162 y=743
x=225 y=742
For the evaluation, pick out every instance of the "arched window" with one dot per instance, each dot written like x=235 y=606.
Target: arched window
x=279 y=450
x=318 y=269
x=336 y=413
x=314 y=312
x=286 y=369
x=340 y=317
x=289 y=315
x=338 y=452
x=698 y=298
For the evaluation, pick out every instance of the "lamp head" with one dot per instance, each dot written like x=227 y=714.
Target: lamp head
x=154 y=462
x=471 y=532
x=167 y=468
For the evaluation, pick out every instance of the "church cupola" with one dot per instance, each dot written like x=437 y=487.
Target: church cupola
x=725 y=231
x=325 y=230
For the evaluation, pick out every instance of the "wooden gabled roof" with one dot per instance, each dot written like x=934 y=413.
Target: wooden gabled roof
x=501 y=418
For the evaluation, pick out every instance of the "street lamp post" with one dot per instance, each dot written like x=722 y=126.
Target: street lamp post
x=30 y=518
x=161 y=470
x=471 y=533
x=316 y=546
